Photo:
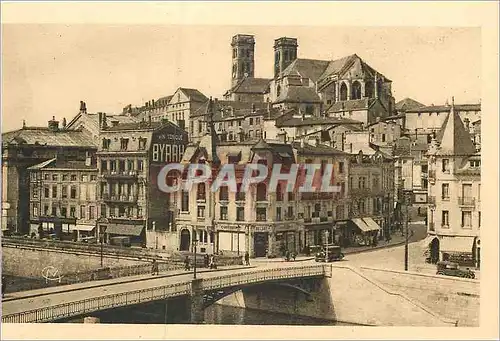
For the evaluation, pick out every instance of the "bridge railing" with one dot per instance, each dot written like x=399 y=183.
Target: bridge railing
x=266 y=275
x=70 y=309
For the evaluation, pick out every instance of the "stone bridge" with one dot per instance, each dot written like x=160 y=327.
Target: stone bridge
x=63 y=303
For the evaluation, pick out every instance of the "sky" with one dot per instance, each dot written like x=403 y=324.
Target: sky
x=47 y=69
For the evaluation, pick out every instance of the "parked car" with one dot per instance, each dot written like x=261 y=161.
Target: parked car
x=447 y=268
x=329 y=253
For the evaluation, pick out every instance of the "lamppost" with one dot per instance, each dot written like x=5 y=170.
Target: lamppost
x=407 y=201
x=238 y=241
x=195 y=243
x=327 y=234
x=101 y=237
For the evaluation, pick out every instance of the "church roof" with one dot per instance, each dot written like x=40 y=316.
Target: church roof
x=309 y=68
x=298 y=94
x=408 y=104
x=350 y=105
x=454 y=139
x=252 y=85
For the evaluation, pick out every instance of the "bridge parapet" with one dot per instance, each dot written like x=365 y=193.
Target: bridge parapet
x=93 y=304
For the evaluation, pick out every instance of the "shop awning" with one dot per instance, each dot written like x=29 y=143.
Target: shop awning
x=363 y=226
x=372 y=224
x=426 y=242
x=81 y=227
x=456 y=244
x=124 y=229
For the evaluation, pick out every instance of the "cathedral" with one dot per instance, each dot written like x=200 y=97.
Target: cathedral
x=344 y=88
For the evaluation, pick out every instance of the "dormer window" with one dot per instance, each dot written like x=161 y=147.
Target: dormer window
x=123 y=144
x=142 y=143
x=475 y=163
x=106 y=143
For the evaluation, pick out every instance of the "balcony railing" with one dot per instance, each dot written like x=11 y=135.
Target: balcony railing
x=466 y=201
x=120 y=175
x=119 y=198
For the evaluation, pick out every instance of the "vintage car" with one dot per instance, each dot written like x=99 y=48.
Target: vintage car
x=447 y=268
x=329 y=253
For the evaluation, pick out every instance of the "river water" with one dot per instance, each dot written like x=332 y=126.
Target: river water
x=219 y=314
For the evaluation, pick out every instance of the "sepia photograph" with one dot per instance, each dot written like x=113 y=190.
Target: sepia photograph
x=159 y=174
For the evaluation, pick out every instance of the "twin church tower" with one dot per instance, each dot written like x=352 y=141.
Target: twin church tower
x=285 y=52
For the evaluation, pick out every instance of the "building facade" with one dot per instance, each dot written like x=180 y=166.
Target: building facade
x=63 y=198
x=129 y=159
x=454 y=213
x=27 y=147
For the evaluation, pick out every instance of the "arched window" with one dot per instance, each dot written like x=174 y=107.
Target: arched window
x=201 y=193
x=343 y=92
x=356 y=90
x=369 y=89
x=261 y=192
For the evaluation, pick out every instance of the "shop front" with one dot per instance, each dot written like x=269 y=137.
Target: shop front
x=458 y=249
x=321 y=234
x=121 y=234
x=365 y=232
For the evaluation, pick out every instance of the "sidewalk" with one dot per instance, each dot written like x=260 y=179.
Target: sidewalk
x=396 y=240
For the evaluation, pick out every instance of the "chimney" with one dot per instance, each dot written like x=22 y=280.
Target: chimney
x=64 y=122
x=24 y=123
x=99 y=115
x=53 y=124
x=152 y=102
x=253 y=107
x=146 y=104
x=104 y=123
x=83 y=107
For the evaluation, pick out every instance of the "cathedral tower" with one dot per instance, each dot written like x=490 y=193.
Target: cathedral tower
x=285 y=52
x=243 y=57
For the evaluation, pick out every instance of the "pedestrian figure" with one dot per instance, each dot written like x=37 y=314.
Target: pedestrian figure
x=206 y=260
x=247 y=258
x=4 y=286
x=212 y=262
x=154 y=268
x=287 y=255
x=294 y=255
x=186 y=264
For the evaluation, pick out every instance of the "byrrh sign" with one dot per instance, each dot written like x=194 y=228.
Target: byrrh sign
x=168 y=145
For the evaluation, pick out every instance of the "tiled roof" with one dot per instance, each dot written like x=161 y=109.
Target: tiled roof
x=60 y=163
x=289 y=121
x=355 y=104
x=47 y=137
x=454 y=139
x=252 y=85
x=408 y=104
x=309 y=68
x=194 y=94
x=336 y=66
x=238 y=107
x=298 y=94
x=135 y=126
x=447 y=108
x=319 y=149
x=261 y=145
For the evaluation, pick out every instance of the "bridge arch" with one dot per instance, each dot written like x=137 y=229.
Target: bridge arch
x=214 y=296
